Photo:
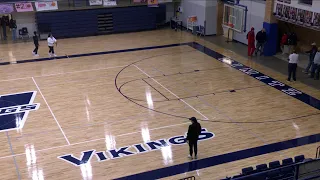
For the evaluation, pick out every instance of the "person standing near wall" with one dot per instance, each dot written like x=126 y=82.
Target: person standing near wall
x=4 y=27
x=193 y=136
x=284 y=43
x=316 y=66
x=261 y=38
x=312 y=53
x=51 y=42
x=13 y=27
x=251 y=41
x=292 y=66
x=36 y=44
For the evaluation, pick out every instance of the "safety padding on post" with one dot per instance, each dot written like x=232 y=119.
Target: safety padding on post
x=271 y=45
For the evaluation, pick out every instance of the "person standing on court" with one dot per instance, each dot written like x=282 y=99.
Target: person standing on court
x=36 y=44
x=51 y=42
x=193 y=136
x=261 y=38
x=13 y=27
x=316 y=66
x=251 y=41
x=312 y=52
x=292 y=66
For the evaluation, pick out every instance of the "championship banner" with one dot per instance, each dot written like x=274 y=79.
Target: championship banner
x=24 y=7
x=46 y=6
x=109 y=2
x=6 y=8
x=95 y=2
x=153 y=3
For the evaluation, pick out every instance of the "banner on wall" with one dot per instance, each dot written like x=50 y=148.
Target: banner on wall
x=46 y=6
x=140 y=1
x=279 y=10
x=23 y=7
x=6 y=8
x=287 y=1
x=95 y=2
x=308 y=18
x=286 y=12
x=109 y=2
x=316 y=20
x=300 y=16
x=153 y=3
x=293 y=14
x=164 y=1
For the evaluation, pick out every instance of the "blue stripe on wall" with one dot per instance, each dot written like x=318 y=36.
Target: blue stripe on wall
x=223 y=158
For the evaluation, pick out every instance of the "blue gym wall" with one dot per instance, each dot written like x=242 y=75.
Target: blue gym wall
x=85 y=22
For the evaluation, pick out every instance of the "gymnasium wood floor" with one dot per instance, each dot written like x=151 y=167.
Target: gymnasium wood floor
x=82 y=109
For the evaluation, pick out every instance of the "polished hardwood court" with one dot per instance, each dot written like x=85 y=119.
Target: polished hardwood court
x=103 y=116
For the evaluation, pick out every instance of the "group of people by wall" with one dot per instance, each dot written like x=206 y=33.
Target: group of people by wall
x=288 y=45
x=256 y=42
x=6 y=23
x=313 y=65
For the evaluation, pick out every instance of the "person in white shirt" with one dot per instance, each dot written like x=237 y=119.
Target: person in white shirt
x=316 y=66
x=292 y=66
x=51 y=42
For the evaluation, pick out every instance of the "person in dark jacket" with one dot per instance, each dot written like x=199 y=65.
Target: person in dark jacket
x=312 y=53
x=13 y=27
x=4 y=27
x=36 y=44
x=261 y=38
x=193 y=136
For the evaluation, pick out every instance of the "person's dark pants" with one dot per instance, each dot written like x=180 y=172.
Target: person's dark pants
x=309 y=65
x=292 y=69
x=259 y=47
x=4 y=29
x=36 y=49
x=193 y=145
x=315 y=71
x=51 y=49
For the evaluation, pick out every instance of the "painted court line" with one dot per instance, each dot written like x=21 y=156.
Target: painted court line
x=93 y=140
x=54 y=117
x=71 y=72
x=13 y=156
x=172 y=93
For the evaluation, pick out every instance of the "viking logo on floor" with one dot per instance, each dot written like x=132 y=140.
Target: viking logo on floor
x=131 y=150
x=14 y=109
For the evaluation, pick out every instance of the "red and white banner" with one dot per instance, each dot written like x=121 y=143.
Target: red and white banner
x=109 y=2
x=24 y=7
x=46 y=6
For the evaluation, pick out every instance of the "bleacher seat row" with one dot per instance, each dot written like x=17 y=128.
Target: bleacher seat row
x=274 y=171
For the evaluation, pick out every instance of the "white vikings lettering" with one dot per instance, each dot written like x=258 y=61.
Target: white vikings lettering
x=131 y=150
x=249 y=71
x=291 y=91
x=237 y=65
x=262 y=77
x=276 y=83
